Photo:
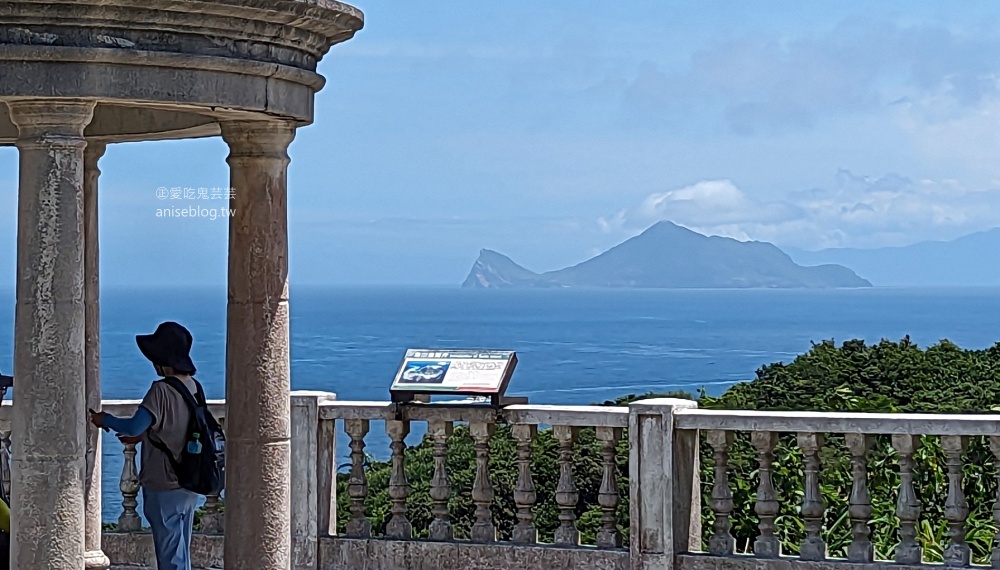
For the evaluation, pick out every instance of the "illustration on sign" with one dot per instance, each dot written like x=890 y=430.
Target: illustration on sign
x=479 y=371
x=421 y=372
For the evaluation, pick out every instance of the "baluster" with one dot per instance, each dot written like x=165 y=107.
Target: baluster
x=860 y=510
x=440 y=492
x=607 y=497
x=5 y=451
x=524 y=493
x=813 y=507
x=398 y=526
x=129 y=520
x=567 y=496
x=357 y=483
x=907 y=504
x=483 y=529
x=211 y=519
x=766 y=545
x=995 y=448
x=326 y=478
x=956 y=509
x=721 y=543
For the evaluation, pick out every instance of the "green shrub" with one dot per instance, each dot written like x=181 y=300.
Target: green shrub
x=854 y=377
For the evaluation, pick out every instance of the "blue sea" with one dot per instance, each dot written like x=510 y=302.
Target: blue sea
x=574 y=346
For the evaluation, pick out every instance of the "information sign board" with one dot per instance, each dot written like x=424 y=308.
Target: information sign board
x=460 y=372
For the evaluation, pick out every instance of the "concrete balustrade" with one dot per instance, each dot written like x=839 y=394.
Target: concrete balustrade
x=665 y=488
x=482 y=548
x=858 y=430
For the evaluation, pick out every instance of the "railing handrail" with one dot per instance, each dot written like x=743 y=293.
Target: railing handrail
x=576 y=416
x=355 y=410
x=836 y=422
x=617 y=416
x=118 y=408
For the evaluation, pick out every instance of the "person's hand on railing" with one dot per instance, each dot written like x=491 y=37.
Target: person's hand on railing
x=97 y=418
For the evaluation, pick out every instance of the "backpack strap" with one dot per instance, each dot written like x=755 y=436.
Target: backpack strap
x=162 y=447
x=193 y=401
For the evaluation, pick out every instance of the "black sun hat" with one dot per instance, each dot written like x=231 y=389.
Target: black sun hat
x=169 y=346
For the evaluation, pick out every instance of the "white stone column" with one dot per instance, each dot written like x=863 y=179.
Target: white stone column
x=258 y=370
x=664 y=485
x=95 y=557
x=50 y=411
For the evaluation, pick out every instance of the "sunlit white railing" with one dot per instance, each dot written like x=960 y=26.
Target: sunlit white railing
x=664 y=438
x=565 y=421
x=812 y=433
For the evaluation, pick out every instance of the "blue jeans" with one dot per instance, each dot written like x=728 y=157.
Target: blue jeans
x=171 y=517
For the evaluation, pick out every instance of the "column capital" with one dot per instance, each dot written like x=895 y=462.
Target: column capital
x=51 y=119
x=258 y=139
x=92 y=154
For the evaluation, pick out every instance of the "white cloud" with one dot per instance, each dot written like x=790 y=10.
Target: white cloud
x=853 y=211
x=713 y=203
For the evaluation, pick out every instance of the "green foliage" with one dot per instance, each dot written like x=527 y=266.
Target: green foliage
x=199 y=513
x=587 y=472
x=885 y=377
x=854 y=377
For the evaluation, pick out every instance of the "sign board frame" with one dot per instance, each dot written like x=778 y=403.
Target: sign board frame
x=428 y=370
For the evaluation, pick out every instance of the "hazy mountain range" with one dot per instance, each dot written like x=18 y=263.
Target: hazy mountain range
x=670 y=256
x=971 y=260
x=666 y=255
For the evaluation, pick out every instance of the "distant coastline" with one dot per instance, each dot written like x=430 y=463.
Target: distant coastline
x=668 y=256
x=961 y=262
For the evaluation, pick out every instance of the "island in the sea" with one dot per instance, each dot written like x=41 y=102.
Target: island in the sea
x=668 y=256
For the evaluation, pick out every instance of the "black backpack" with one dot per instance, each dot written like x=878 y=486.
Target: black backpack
x=202 y=471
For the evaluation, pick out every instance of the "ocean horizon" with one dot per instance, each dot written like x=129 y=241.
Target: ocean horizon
x=574 y=346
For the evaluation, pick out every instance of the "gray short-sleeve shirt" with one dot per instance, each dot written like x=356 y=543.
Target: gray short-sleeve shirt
x=171 y=417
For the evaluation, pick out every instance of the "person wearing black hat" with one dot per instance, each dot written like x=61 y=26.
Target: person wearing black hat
x=161 y=422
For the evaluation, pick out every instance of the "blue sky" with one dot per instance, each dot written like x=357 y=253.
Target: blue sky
x=553 y=130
